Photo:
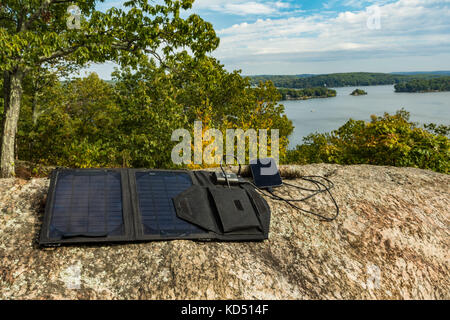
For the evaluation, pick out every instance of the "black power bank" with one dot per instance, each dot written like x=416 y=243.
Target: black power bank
x=265 y=173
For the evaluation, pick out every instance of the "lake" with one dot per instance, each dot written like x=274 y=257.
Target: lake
x=324 y=115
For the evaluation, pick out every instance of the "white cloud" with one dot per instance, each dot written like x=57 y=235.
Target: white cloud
x=281 y=4
x=242 y=7
x=248 y=8
x=408 y=27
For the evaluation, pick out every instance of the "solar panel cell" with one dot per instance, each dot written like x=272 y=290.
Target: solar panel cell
x=155 y=190
x=88 y=204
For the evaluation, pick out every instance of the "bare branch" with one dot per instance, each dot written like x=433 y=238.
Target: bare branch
x=58 y=54
x=157 y=56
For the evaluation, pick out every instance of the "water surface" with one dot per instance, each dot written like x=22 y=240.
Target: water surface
x=324 y=115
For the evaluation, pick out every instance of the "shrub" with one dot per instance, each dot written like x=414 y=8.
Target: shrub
x=388 y=140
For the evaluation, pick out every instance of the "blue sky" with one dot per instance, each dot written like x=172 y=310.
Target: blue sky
x=316 y=36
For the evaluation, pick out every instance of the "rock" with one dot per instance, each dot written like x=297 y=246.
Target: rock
x=391 y=241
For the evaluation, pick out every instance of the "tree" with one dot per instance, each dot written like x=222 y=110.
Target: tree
x=153 y=103
x=148 y=113
x=76 y=128
x=38 y=34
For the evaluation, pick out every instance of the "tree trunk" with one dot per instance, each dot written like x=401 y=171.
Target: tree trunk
x=34 y=110
x=13 y=97
x=6 y=91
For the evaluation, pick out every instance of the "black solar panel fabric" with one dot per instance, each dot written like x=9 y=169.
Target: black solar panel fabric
x=87 y=204
x=128 y=205
x=155 y=190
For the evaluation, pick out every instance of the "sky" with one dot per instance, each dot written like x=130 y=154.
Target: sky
x=324 y=36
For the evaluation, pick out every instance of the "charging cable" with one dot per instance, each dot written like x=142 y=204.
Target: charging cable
x=323 y=185
x=321 y=189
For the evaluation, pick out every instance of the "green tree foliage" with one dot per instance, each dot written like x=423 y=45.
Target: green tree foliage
x=388 y=140
x=89 y=122
x=440 y=84
x=308 y=93
x=35 y=34
x=149 y=113
x=77 y=128
x=352 y=79
x=154 y=103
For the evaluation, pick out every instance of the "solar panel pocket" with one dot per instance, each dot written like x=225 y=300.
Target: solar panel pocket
x=86 y=204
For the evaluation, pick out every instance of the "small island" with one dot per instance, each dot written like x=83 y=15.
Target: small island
x=306 y=94
x=358 y=92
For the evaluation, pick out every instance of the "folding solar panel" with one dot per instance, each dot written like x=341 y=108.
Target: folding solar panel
x=124 y=205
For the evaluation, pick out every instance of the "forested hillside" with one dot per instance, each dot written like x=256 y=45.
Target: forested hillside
x=431 y=85
x=339 y=79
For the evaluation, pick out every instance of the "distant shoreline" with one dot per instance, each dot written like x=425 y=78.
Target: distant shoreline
x=427 y=91
x=340 y=80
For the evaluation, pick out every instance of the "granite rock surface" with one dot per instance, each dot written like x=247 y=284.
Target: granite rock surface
x=391 y=241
